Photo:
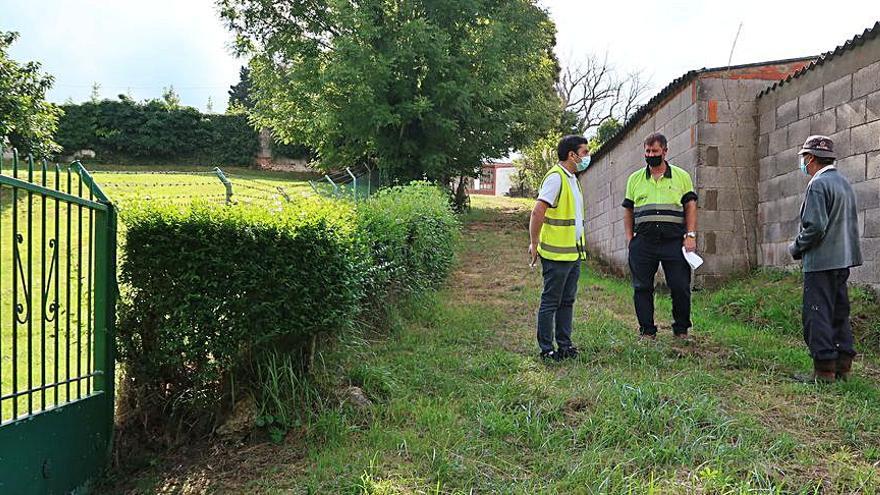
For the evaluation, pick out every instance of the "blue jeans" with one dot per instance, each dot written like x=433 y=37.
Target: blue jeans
x=557 y=303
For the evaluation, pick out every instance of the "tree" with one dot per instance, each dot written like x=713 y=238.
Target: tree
x=209 y=107
x=605 y=131
x=592 y=93
x=27 y=120
x=95 y=96
x=536 y=160
x=240 y=93
x=170 y=97
x=420 y=88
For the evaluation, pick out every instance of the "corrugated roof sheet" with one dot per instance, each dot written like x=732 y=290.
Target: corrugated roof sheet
x=858 y=40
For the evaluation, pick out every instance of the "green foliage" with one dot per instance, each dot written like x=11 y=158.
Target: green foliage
x=26 y=118
x=606 y=131
x=217 y=296
x=126 y=131
x=240 y=92
x=171 y=98
x=296 y=151
x=781 y=313
x=209 y=289
x=536 y=160
x=411 y=233
x=285 y=398
x=423 y=89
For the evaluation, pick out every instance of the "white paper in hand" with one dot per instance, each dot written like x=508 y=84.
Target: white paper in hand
x=693 y=259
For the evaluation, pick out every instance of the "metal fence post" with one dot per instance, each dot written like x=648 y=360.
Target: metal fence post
x=354 y=182
x=283 y=193
x=226 y=183
x=335 y=187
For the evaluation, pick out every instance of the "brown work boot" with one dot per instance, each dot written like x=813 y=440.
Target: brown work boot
x=844 y=367
x=824 y=371
x=647 y=337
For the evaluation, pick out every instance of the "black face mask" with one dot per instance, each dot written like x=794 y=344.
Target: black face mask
x=654 y=161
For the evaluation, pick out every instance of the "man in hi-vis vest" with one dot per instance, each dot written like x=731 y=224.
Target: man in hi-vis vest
x=660 y=220
x=557 y=236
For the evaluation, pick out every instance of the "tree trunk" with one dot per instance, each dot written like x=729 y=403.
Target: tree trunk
x=462 y=200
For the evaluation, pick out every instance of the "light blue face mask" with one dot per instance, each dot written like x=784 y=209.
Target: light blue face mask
x=583 y=164
x=802 y=163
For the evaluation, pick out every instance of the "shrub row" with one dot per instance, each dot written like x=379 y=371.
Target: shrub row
x=126 y=131
x=208 y=291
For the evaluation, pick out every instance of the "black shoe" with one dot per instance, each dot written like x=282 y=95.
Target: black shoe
x=550 y=356
x=568 y=353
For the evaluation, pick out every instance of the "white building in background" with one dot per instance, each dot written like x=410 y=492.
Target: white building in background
x=496 y=179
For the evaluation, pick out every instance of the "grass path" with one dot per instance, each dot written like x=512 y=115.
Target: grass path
x=462 y=405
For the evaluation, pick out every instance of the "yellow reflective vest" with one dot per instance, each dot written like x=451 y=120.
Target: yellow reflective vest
x=558 y=239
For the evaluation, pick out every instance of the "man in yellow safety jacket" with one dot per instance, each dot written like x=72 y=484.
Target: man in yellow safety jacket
x=557 y=236
x=660 y=220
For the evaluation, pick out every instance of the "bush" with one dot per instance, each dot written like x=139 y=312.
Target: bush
x=411 y=231
x=293 y=151
x=209 y=289
x=125 y=131
x=217 y=299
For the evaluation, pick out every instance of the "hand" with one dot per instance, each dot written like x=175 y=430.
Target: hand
x=533 y=255
x=690 y=244
x=795 y=253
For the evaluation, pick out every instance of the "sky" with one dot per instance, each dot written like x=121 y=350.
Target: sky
x=139 y=48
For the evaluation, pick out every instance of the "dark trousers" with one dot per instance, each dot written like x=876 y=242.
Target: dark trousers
x=827 y=330
x=645 y=255
x=557 y=303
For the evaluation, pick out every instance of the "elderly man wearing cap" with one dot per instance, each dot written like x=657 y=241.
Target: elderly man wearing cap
x=828 y=243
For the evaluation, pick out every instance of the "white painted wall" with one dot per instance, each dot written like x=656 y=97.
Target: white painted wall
x=503 y=180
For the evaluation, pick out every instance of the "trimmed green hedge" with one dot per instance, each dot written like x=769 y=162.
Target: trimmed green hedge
x=126 y=131
x=209 y=290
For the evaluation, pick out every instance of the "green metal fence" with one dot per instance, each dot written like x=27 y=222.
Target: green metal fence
x=57 y=310
x=355 y=183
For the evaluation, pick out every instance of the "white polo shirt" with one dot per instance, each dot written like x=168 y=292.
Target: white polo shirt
x=549 y=194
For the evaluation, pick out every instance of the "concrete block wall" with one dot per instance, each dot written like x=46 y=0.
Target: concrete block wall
x=711 y=128
x=841 y=99
x=604 y=183
x=726 y=178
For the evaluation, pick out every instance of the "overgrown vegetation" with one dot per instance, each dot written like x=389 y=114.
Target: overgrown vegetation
x=411 y=233
x=211 y=288
x=781 y=314
x=223 y=302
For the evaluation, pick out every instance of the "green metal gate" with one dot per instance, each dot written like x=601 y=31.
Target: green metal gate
x=57 y=310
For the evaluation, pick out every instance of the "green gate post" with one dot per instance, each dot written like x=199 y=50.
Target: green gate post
x=106 y=293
